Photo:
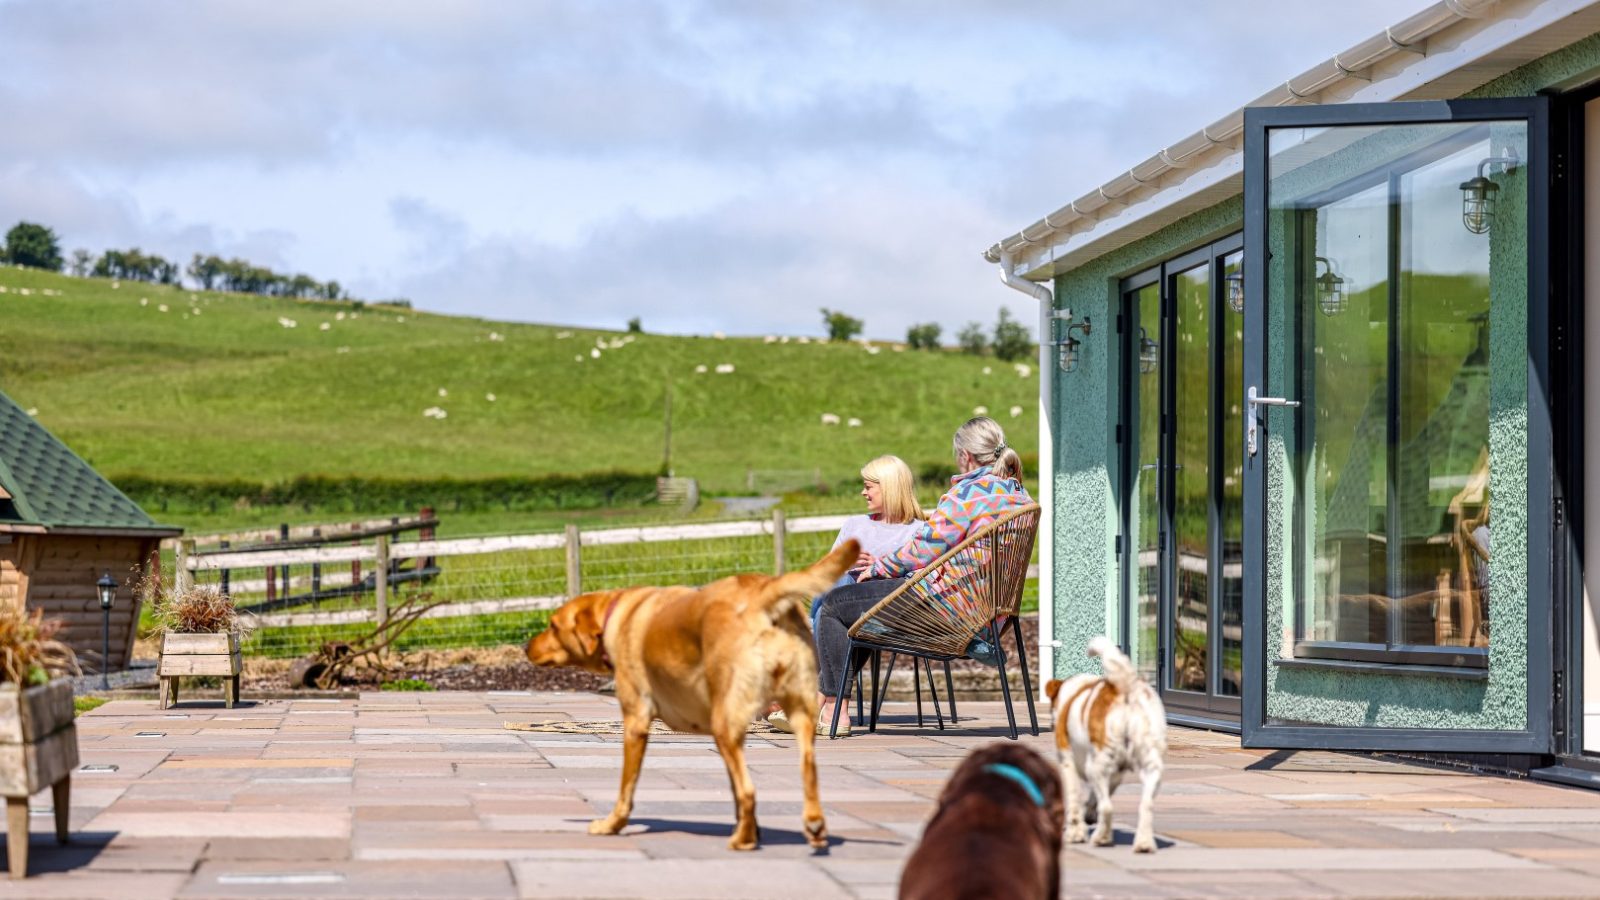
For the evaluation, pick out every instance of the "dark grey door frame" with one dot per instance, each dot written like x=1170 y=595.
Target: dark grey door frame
x=1536 y=736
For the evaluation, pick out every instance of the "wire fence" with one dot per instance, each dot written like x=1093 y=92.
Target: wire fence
x=491 y=590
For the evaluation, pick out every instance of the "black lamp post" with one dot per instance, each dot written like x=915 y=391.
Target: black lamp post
x=108 y=592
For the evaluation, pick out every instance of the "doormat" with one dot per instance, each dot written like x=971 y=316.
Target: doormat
x=1357 y=763
x=565 y=726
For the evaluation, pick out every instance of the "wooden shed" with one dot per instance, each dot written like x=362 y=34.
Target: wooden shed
x=63 y=525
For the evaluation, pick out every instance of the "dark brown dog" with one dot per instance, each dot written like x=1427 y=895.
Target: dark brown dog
x=996 y=833
x=704 y=661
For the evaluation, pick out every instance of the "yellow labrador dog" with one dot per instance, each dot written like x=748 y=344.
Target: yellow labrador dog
x=1106 y=727
x=704 y=661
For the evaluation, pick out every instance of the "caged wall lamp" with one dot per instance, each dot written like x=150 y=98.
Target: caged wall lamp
x=1149 y=353
x=1235 y=282
x=1067 y=347
x=1330 y=289
x=1478 y=194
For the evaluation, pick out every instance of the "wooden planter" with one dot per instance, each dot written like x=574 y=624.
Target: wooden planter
x=199 y=654
x=38 y=747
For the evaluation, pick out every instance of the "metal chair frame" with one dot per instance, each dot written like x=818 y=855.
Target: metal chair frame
x=986 y=572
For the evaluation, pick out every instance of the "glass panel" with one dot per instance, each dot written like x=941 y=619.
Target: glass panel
x=1191 y=472
x=1146 y=513
x=1231 y=504
x=1346 y=349
x=1443 y=428
x=1399 y=258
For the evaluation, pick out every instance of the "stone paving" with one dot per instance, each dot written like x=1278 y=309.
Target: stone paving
x=429 y=795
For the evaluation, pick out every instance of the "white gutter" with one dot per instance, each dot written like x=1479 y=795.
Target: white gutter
x=1046 y=498
x=1405 y=37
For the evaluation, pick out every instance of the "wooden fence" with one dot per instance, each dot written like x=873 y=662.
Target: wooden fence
x=383 y=552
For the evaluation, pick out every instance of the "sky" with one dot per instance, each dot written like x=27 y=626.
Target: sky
x=709 y=165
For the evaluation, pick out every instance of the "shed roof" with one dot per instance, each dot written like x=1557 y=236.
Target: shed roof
x=44 y=484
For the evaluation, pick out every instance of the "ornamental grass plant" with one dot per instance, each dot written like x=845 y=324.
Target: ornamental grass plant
x=29 y=653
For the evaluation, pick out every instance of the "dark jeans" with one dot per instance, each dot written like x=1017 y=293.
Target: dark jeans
x=841 y=607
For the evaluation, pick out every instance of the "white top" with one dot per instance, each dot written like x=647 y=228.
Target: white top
x=877 y=538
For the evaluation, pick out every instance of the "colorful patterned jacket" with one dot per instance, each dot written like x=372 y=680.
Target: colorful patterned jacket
x=974 y=500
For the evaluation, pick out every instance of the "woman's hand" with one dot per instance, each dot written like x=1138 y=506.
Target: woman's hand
x=864 y=561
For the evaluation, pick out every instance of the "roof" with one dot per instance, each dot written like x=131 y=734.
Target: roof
x=43 y=483
x=1445 y=51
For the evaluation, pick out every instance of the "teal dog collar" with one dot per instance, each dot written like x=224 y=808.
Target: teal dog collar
x=1008 y=771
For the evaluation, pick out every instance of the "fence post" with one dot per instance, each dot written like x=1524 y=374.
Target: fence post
x=272 y=578
x=225 y=545
x=574 y=562
x=380 y=574
x=316 y=571
x=184 y=579
x=283 y=571
x=779 y=533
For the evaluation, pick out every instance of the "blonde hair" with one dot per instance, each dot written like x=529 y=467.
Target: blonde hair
x=984 y=440
x=899 y=494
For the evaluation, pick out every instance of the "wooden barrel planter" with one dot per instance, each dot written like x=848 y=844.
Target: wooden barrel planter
x=38 y=748
x=199 y=654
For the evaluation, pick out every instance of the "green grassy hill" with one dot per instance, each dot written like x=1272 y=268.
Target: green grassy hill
x=170 y=383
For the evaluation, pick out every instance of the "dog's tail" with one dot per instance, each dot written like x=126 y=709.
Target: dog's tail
x=1115 y=664
x=799 y=587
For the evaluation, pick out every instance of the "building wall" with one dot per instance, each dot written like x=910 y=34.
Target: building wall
x=1088 y=593
x=61 y=581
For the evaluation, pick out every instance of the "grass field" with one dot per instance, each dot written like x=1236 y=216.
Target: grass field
x=217 y=386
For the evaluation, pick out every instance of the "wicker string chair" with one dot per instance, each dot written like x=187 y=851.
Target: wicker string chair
x=939 y=610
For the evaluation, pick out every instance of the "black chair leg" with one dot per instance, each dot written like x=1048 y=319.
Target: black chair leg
x=1005 y=688
x=843 y=697
x=877 y=699
x=950 y=686
x=1027 y=681
x=861 y=715
x=877 y=661
x=933 y=691
x=916 y=682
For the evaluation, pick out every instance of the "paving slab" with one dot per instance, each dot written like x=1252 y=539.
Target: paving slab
x=431 y=796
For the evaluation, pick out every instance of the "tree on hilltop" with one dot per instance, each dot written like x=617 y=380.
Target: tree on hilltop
x=1011 y=340
x=82 y=263
x=973 y=340
x=841 y=327
x=35 y=246
x=924 y=336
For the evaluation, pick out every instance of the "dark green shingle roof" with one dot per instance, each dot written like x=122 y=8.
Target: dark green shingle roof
x=52 y=486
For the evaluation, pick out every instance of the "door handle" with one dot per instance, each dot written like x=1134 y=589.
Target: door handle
x=1251 y=423
x=1148 y=466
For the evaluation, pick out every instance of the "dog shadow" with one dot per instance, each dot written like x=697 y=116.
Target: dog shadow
x=1121 y=837
x=770 y=837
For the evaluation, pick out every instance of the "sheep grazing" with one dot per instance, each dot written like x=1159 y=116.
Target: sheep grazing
x=854 y=422
x=725 y=368
x=980 y=410
x=719 y=335
x=986 y=370
x=325 y=326
x=830 y=419
x=1016 y=411
x=563 y=335
x=770 y=339
x=699 y=370
x=434 y=412
x=1023 y=371
x=443 y=392
x=286 y=323
x=489 y=397
x=594 y=352
x=163 y=308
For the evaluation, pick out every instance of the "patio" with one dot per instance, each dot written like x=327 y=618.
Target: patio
x=391 y=794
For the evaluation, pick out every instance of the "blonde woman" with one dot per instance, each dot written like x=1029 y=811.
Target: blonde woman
x=989 y=484
x=893 y=517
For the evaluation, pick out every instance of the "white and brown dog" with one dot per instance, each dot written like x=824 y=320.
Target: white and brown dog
x=1106 y=727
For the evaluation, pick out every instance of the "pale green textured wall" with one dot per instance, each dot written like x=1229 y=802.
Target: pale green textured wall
x=1087 y=592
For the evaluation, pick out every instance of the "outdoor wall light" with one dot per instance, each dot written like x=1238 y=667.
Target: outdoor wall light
x=1068 y=346
x=107 y=586
x=1330 y=289
x=1148 y=353
x=1235 y=282
x=1477 y=194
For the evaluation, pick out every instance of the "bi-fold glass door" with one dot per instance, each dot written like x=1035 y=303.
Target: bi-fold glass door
x=1181 y=337
x=1397 y=535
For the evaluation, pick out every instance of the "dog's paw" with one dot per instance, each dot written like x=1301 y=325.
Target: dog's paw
x=1077 y=834
x=608 y=825
x=817 y=833
x=1144 y=844
x=744 y=842
x=1104 y=837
